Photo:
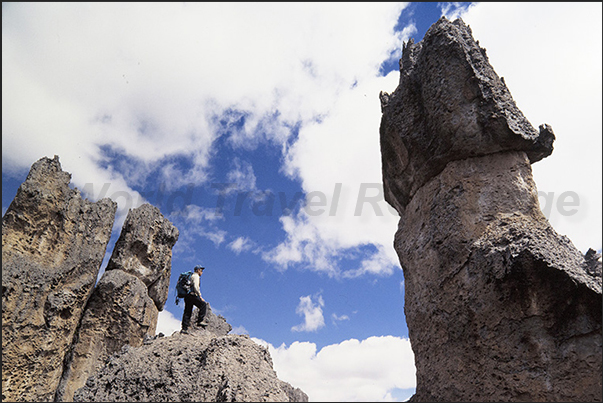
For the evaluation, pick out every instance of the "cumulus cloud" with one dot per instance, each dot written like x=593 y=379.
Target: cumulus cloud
x=352 y=211
x=157 y=80
x=311 y=309
x=239 y=330
x=99 y=84
x=149 y=84
x=199 y=222
x=319 y=243
x=370 y=370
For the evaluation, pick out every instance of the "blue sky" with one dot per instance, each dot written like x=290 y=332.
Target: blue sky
x=254 y=128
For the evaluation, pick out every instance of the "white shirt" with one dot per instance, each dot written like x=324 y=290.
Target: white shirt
x=196 y=280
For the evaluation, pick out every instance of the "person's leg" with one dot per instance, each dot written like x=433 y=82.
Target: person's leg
x=202 y=310
x=188 y=311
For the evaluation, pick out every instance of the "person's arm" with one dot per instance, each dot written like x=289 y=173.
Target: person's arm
x=196 y=282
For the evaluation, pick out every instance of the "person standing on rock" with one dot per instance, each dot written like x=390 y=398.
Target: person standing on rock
x=193 y=298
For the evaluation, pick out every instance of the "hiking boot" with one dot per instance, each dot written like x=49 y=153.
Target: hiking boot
x=203 y=323
x=185 y=331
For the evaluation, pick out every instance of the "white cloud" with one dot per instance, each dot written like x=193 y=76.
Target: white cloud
x=167 y=323
x=148 y=82
x=154 y=80
x=242 y=176
x=239 y=330
x=551 y=59
x=353 y=212
x=241 y=244
x=192 y=222
x=194 y=214
x=338 y=318
x=311 y=309
x=368 y=370
x=319 y=242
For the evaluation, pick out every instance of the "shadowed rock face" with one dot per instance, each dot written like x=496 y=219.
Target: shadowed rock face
x=499 y=306
x=449 y=105
x=53 y=243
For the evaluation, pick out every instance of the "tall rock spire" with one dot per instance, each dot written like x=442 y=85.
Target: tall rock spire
x=499 y=306
x=53 y=244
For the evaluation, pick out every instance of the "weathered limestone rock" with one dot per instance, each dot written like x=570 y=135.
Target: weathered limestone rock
x=120 y=312
x=449 y=105
x=216 y=324
x=201 y=366
x=499 y=306
x=53 y=243
x=144 y=249
x=124 y=306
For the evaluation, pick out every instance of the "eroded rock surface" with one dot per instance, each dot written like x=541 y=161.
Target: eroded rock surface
x=120 y=312
x=53 y=243
x=124 y=307
x=216 y=324
x=58 y=329
x=144 y=249
x=450 y=104
x=201 y=366
x=499 y=306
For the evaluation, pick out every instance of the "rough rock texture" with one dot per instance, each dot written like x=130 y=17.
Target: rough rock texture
x=59 y=330
x=53 y=243
x=449 y=105
x=120 y=312
x=499 y=306
x=201 y=366
x=144 y=249
x=124 y=306
x=215 y=324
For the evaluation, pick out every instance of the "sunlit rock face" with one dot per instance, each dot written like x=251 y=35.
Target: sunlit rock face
x=53 y=243
x=125 y=304
x=144 y=249
x=202 y=366
x=499 y=306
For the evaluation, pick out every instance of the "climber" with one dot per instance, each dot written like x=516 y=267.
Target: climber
x=194 y=298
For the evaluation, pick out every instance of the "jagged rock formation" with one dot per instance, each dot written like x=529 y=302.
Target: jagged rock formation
x=126 y=301
x=202 y=366
x=53 y=243
x=207 y=365
x=60 y=332
x=144 y=249
x=120 y=312
x=499 y=306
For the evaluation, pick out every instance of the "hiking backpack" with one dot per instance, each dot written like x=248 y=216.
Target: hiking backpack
x=184 y=285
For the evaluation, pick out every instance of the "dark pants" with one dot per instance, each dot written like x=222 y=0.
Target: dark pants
x=189 y=301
